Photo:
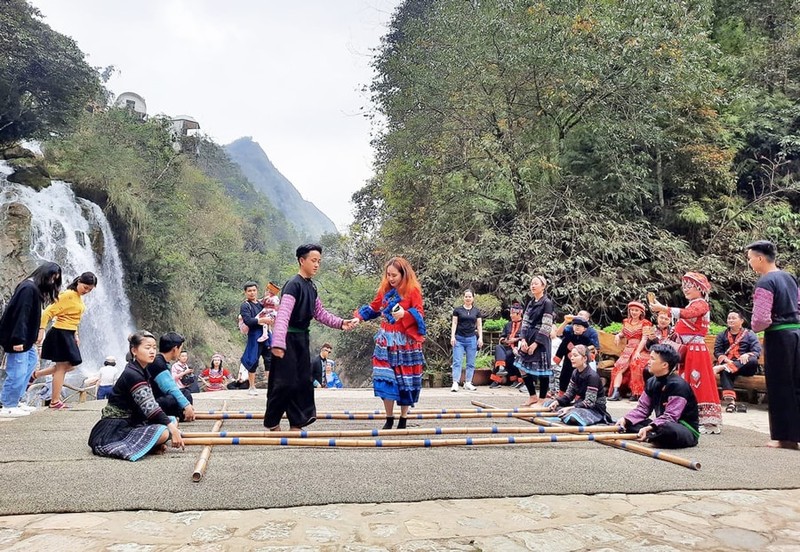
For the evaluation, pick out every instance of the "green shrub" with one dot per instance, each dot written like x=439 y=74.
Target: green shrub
x=484 y=360
x=614 y=327
x=494 y=325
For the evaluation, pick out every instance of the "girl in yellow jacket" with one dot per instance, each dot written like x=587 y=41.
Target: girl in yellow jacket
x=62 y=341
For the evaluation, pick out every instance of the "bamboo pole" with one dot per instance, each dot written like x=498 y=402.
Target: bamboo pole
x=394 y=443
x=653 y=453
x=205 y=454
x=380 y=416
x=409 y=431
x=630 y=447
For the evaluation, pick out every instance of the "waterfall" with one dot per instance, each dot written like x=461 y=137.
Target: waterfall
x=75 y=233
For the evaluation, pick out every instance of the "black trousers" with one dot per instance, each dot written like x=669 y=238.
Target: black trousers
x=506 y=355
x=670 y=435
x=782 y=371
x=544 y=385
x=171 y=407
x=748 y=369
x=290 y=390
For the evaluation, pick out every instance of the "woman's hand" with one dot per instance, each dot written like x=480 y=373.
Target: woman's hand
x=18 y=348
x=453 y=341
x=398 y=312
x=77 y=340
x=277 y=352
x=175 y=434
x=642 y=435
x=480 y=342
x=616 y=339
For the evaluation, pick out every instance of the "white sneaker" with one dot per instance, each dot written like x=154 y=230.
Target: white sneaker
x=252 y=391
x=13 y=413
x=469 y=387
x=26 y=407
x=454 y=389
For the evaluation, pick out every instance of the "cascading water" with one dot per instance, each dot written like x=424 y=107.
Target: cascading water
x=75 y=233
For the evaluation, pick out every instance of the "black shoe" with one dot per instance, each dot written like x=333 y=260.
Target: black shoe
x=401 y=423
x=615 y=396
x=494 y=385
x=389 y=422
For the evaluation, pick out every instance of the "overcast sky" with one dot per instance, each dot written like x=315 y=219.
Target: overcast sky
x=289 y=74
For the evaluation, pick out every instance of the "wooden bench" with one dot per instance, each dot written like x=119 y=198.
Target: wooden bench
x=754 y=386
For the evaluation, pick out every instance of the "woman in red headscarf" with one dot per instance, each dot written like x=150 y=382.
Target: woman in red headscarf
x=691 y=328
x=628 y=368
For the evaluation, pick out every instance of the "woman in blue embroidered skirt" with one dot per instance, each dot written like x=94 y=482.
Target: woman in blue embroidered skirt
x=132 y=423
x=397 y=361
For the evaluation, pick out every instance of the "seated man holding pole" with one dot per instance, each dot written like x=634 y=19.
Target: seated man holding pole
x=669 y=397
x=736 y=353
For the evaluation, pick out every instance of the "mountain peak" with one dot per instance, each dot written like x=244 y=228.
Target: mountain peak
x=267 y=179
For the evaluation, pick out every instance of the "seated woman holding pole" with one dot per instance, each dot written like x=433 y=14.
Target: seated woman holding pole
x=584 y=402
x=132 y=424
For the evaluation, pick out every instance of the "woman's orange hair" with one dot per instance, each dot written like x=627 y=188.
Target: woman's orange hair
x=408 y=280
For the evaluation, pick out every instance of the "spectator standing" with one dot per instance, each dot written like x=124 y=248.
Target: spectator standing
x=19 y=332
x=466 y=337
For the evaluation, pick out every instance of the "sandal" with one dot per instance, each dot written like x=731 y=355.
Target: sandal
x=58 y=405
x=732 y=407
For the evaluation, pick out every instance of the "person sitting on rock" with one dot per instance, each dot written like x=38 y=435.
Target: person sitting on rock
x=736 y=351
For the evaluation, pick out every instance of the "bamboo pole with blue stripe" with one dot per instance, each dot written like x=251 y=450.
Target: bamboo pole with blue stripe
x=493 y=430
x=202 y=462
x=402 y=443
x=653 y=453
x=370 y=416
x=636 y=448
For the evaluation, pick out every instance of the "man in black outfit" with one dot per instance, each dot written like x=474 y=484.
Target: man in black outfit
x=173 y=401
x=318 y=366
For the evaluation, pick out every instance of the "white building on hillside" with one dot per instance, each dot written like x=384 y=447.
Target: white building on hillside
x=133 y=102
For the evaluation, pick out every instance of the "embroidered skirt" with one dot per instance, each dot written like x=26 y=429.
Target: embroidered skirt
x=397 y=365
x=699 y=374
x=537 y=364
x=118 y=438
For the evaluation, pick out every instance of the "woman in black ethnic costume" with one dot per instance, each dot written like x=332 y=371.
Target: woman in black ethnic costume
x=776 y=311
x=584 y=402
x=533 y=358
x=290 y=388
x=132 y=423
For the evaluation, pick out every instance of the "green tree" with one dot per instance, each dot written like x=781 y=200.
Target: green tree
x=45 y=81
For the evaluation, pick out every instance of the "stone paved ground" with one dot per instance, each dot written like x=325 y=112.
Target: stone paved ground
x=692 y=520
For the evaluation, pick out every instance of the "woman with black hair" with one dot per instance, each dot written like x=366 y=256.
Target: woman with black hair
x=62 y=341
x=19 y=331
x=133 y=424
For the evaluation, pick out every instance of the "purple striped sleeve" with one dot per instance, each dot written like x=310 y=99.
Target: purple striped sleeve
x=282 y=321
x=762 y=309
x=672 y=412
x=641 y=411
x=324 y=317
